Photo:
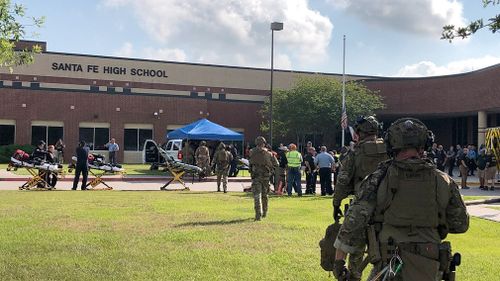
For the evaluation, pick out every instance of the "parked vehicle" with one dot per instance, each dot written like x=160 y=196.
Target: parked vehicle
x=150 y=153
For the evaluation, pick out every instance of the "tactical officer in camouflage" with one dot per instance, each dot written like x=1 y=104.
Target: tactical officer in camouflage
x=262 y=165
x=222 y=160
x=358 y=164
x=404 y=210
x=202 y=156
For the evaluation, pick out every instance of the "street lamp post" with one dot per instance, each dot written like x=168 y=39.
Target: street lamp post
x=275 y=26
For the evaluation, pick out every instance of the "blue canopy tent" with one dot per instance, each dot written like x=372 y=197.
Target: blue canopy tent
x=205 y=130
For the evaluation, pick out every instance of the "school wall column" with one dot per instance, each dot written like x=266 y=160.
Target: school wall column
x=482 y=119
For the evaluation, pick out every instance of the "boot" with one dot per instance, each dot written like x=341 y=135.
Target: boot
x=218 y=188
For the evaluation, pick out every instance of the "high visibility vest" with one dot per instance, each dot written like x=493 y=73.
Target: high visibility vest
x=294 y=159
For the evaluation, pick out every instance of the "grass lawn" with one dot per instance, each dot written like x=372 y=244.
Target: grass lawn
x=121 y=235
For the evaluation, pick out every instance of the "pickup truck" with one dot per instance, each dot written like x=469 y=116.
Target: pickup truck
x=151 y=155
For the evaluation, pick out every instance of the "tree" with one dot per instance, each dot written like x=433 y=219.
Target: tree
x=493 y=24
x=13 y=29
x=313 y=106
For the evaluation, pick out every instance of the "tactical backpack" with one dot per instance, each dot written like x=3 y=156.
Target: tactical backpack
x=326 y=246
x=367 y=157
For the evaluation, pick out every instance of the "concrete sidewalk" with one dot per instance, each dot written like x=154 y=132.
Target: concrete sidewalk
x=485 y=211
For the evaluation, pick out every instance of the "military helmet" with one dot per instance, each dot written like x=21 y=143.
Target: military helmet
x=260 y=140
x=367 y=125
x=222 y=145
x=203 y=143
x=408 y=133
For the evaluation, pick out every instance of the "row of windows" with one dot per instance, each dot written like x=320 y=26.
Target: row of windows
x=96 y=138
x=207 y=95
x=36 y=85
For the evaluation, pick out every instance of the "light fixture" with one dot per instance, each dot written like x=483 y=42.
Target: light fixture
x=275 y=26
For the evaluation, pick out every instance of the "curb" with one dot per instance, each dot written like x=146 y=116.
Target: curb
x=483 y=201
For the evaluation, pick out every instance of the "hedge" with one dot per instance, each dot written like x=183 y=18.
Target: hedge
x=6 y=151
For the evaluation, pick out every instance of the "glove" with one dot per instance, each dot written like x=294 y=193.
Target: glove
x=340 y=271
x=337 y=213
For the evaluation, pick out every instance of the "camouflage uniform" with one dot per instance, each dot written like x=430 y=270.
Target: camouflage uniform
x=222 y=160
x=202 y=156
x=357 y=164
x=411 y=206
x=262 y=165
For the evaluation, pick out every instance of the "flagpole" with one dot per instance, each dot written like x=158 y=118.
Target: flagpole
x=343 y=92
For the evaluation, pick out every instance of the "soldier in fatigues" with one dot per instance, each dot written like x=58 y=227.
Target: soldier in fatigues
x=262 y=165
x=404 y=210
x=358 y=163
x=222 y=160
x=202 y=156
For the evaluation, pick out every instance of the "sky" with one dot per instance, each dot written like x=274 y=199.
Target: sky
x=383 y=37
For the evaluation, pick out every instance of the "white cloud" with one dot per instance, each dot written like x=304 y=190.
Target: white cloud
x=234 y=32
x=428 y=68
x=164 y=54
x=126 y=50
x=423 y=17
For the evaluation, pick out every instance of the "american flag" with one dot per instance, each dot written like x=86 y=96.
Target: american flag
x=343 y=120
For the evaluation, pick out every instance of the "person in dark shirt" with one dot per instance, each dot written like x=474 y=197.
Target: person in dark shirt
x=463 y=167
x=310 y=171
x=280 y=177
x=39 y=154
x=441 y=158
x=82 y=167
x=233 y=171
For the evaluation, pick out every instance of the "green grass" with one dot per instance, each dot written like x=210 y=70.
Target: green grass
x=122 y=235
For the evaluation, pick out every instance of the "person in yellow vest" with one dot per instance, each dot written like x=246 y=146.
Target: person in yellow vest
x=294 y=159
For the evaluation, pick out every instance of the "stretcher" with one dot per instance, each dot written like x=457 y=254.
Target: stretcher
x=176 y=168
x=40 y=172
x=99 y=169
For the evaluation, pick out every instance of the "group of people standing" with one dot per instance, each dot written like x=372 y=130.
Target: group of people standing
x=468 y=160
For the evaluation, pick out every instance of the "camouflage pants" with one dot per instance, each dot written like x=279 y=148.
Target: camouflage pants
x=260 y=188
x=222 y=175
x=204 y=164
x=354 y=266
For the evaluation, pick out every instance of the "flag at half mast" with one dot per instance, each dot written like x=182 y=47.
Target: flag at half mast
x=343 y=119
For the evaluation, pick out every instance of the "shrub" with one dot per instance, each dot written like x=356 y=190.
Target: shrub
x=6 y=151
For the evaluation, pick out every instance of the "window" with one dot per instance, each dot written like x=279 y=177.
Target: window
x=49 y=134
x=222 y=96
x=134 y=139
x=193 y=94
x=208 y=95
x=96 y=138
x=7 y=134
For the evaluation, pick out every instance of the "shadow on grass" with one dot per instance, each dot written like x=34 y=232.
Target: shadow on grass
x=218 y=222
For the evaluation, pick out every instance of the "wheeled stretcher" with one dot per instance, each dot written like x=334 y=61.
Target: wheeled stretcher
x=44 y=174
x=99 y=169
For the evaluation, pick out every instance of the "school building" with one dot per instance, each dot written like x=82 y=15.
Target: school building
x=95 y=98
